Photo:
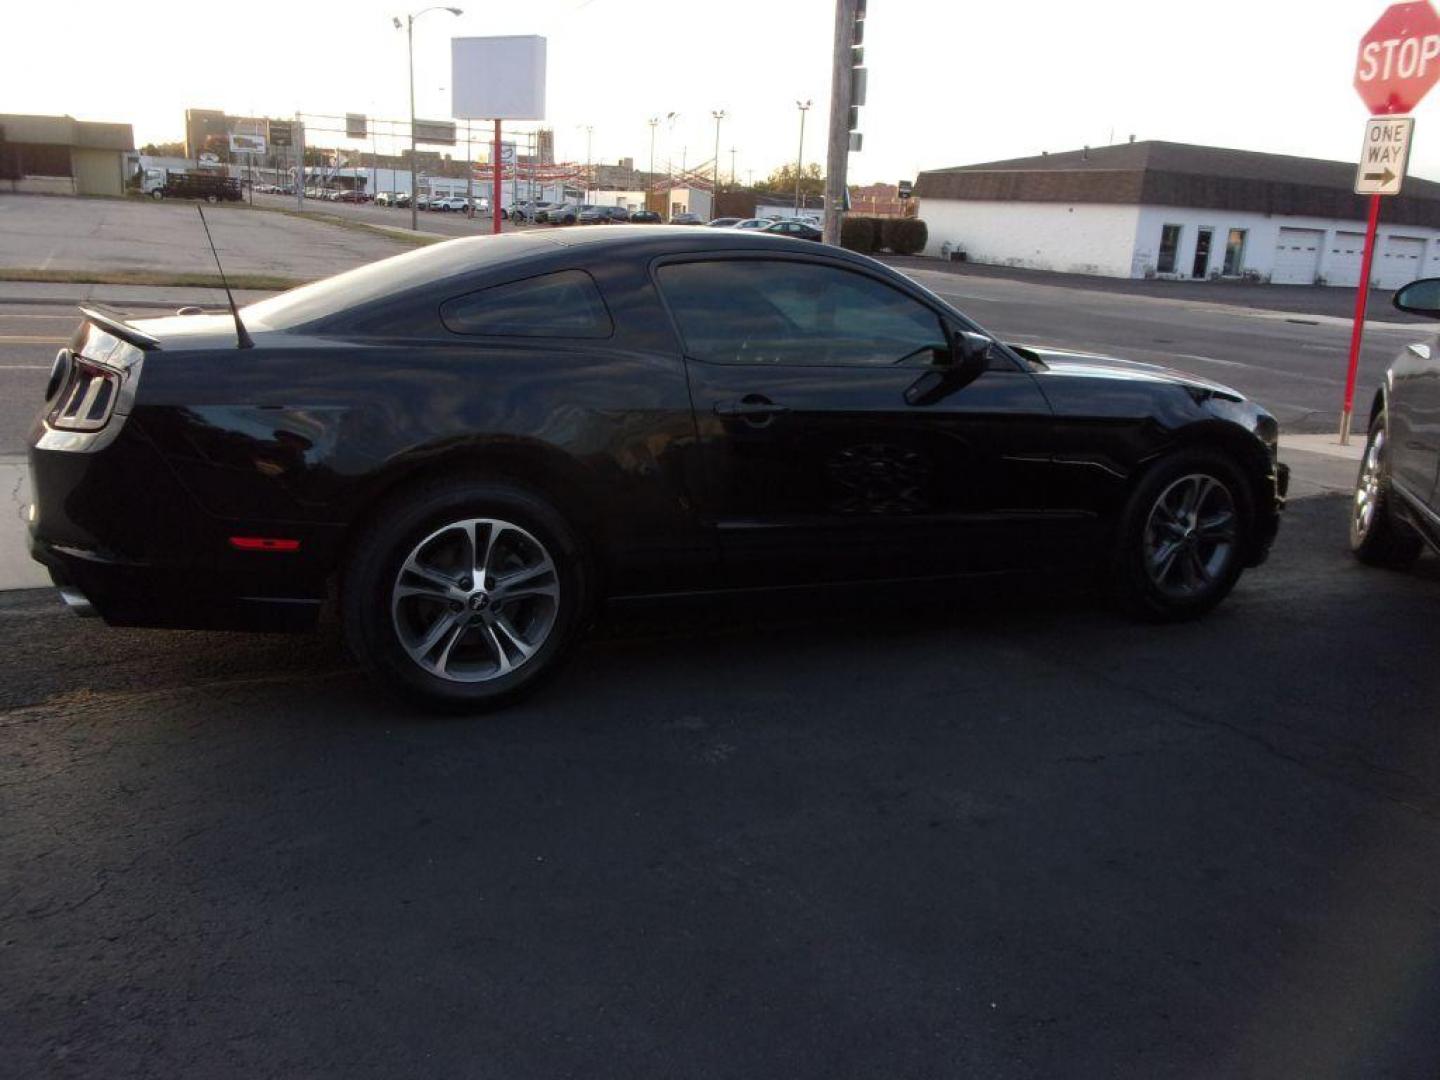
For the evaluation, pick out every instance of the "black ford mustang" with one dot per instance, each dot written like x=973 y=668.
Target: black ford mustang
x=468 y=446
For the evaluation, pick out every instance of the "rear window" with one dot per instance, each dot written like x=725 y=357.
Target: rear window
x=378 y=281
x=563 y=304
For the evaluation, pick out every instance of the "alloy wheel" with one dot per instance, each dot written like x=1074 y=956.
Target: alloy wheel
x=1190 y=536
x=1367 y=488
x=475 y=600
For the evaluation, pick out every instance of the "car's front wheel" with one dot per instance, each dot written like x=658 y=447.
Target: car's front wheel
x=1376 y=537
x=1182 y=536
x=466 y=594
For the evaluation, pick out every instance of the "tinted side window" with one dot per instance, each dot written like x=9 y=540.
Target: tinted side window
x=753 y=311
x=563 y=304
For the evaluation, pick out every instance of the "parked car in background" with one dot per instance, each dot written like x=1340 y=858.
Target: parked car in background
x=645 y=217
x=352 y=197
x=800 y=230
x=617 y=213
x=448 y=203
x=755 y=223
x=593 y=215
x=687 y=219
x=1396 y=512
x=852 y=427
x=569 y=214
x=723 y=222
x=536 y=212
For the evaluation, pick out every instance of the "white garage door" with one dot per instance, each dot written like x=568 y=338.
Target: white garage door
x=1297 y=256
x=1398 y=261
x=1343 y=266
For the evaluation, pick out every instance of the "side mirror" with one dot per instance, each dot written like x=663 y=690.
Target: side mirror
x=1419 y=297
x=972 y=350
x=967 y=358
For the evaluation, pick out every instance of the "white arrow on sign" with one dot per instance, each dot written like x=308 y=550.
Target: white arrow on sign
x=1384 y=155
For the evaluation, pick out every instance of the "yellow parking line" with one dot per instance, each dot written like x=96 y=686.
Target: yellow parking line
x=18 y=339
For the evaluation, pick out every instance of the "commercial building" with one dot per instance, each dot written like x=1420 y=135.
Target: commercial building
x=62 y=155
x=1172 y=210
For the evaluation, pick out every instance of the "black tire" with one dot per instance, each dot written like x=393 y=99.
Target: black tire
x=371 y=614
x=1377 y=537
x=212 y=198
x=1210 y=556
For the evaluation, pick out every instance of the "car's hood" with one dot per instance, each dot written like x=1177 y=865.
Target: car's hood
x=1065 y=363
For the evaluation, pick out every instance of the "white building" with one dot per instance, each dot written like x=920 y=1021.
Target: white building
x=1157 y=209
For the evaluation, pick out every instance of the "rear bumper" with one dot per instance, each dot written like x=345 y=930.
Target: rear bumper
x=131 y=594
x=124 y=540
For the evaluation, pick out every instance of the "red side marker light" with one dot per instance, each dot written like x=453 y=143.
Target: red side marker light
x=264 y=543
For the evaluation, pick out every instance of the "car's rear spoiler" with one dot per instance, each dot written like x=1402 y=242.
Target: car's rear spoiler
x=113 y=322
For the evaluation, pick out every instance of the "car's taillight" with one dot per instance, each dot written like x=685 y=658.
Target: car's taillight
x=87 y=395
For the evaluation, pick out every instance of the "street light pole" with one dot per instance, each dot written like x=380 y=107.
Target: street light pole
x=589 y=172
x=718 y=114
x=410 y=50
x=804 y=107
x=650 y=180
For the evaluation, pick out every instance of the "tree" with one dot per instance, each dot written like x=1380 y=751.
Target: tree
x=164 y=149
x=782 y=181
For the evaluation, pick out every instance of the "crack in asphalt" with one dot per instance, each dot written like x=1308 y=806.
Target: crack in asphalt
x=1192 y=717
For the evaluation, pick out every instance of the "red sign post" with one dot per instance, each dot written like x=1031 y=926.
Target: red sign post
x=1398 y=63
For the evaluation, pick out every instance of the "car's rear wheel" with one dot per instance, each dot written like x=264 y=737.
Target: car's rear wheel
x=1182 y=536
x=466 y=594
x=1376 y=537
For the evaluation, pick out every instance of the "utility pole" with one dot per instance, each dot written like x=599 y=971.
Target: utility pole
x=732 y=166
x=718 y=114
x=849 y=35
x=804 y=107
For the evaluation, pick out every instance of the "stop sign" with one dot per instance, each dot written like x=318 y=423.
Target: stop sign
x=1399 y=58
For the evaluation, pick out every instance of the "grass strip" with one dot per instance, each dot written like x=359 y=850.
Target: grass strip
x=269 y=282
x=399 y=237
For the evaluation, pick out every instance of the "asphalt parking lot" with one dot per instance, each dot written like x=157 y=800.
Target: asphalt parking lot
x=984 y=834
x=58 y=234
x=994 y=831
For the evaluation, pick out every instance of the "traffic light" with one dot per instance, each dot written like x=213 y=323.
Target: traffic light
x=857 y=72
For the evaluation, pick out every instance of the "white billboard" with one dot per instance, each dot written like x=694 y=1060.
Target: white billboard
x=498 y=78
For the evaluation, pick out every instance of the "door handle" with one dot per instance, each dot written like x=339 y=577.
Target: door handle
x=750 y=407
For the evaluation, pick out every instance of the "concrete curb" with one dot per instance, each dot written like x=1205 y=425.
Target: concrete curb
x=17 y=569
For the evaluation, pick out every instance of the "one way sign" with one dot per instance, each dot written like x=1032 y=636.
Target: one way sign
x=1384 y=155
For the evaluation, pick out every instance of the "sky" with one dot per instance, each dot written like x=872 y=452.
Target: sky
x=951 y=82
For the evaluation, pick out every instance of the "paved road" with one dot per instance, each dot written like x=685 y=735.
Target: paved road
x=448 y=223
x=1293 y=364
x=982 y=835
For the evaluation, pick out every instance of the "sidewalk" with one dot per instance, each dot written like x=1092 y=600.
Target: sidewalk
x=1301 y=300
x=1318 y=464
